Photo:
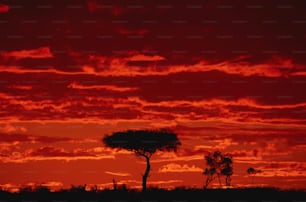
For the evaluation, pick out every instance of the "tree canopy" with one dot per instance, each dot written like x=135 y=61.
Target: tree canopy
x=253 y=171
x=143 y=142
x=218 y=165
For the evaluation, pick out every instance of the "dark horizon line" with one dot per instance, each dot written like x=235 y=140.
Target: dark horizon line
x=123 y=187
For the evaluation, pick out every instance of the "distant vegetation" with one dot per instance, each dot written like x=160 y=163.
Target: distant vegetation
x=79 y=194
x=218 y=165
x=252 y=172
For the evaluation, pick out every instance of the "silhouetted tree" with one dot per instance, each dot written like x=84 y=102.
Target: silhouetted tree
x=252 y=171
x=144 y=143
x=114 y=184
x=218 y=165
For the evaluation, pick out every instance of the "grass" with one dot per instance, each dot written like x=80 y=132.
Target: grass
x=157 y=195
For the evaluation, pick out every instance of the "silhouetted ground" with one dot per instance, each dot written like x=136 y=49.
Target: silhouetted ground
x=159 y=195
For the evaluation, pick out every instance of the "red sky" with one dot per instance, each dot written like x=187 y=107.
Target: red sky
x=224 y=75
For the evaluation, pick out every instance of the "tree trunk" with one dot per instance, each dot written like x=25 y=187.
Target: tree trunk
x=207 y=182
x=146 y=174
x=219 y=180
x=228 y=181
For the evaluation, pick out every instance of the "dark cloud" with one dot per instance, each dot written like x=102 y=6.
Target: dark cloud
x=183 y=32
x=214 y=84
x=47 y=96
x=287 y=138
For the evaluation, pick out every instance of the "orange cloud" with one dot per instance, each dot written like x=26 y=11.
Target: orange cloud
x=120 y=65
x=20 y=158
x=10 y=187
x=102 y=87
x=155 y=114
x=186 y=109
x=42 y=52
x=8 y=128
x=283 y=169
x=117 y=66
x=32 y=150
x=21 y=87
x=160 y=182
x=20 y=70
x=176 y=110
x=121 y=174
x=177 y=168
x=141 y=57
x=217 y=144
x=53 y=185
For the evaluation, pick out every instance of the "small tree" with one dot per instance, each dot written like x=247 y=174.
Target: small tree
x=252 y=172
x=143 y=143
x=227 y=169
x=218 y=165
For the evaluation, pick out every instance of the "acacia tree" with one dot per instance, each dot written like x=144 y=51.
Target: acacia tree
x=252 y=171
x=143 y=143
x=218 y=165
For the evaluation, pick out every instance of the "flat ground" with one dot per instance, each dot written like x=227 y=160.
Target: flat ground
x=159 y=195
